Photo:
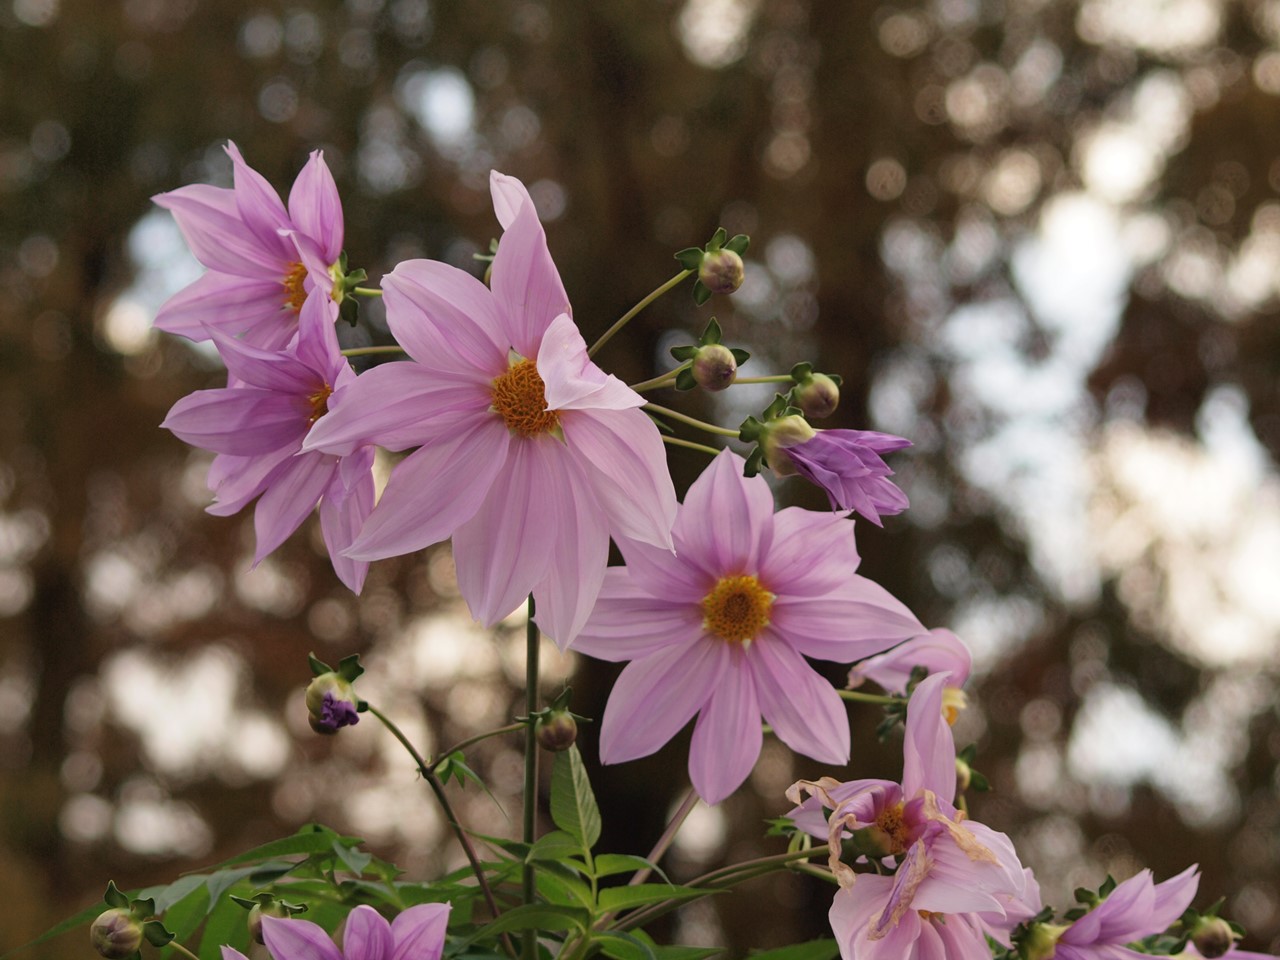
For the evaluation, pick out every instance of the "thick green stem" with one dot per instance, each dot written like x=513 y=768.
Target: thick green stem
x=626 y=317
x=776 y=378
x=677 y=442
x=868 y=697
x=665 y=380
x=527 y=886
x=433 y=781
x=371 y=351
x=691 y=421
x=174 y=944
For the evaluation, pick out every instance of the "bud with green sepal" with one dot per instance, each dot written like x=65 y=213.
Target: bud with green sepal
x=344 y=285
x=331 y=699
x=816 y=394
x=760 y=430
x=708 y=363
x=118 y=932
x=966 y=776
x=719 y=264
x=555 y=727
x=267 y=905
x=1212 y=935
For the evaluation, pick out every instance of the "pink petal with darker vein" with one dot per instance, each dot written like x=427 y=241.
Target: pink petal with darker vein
x=728 y=736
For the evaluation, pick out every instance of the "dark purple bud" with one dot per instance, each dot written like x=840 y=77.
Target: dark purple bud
x=331 y=704
x=1213 y=937
x=116 y=934
x=557 y=731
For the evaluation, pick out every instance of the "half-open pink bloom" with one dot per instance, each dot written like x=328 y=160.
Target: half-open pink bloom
x=416 y=934
x=847 y=465
x=938 y=651
x=722 y=630
x=262 y=259
x=256 y=426
x=529 y=455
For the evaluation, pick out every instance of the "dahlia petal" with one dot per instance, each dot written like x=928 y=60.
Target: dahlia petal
x=654 y=697
x=1173 y=896
x=367 y=935
x=629 y=622
x=955 y=938
x=804 y=710
x=947 y=890
x=260 y=207
x=317 y=345
x=298 y=940
x=525 y=282
x=728 y=736
x=727 y=520
x=509 y=195
x=938 y=651
x=315 y=207
x=626 y=465
x=674 y=579
x=859 y=619
x=241 y=421
x=811 y=553
x=265 y=369
x=853 y=909
x=1124 y=915
x=929 y=753
x=565 y=597
x=233 y=304
x=237 y=480
x=572 y=381
x=505 y=548
x=419 y=932
x=432 y=492
x=342 y=516
x=231 y=953
x=210 y=223
x=446 y=319
x=289 y=499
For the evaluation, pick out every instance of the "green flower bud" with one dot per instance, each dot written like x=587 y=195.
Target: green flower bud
x=721 y=271
x=779 y=434
x=714 y=367
x=1041 y=941
x=818 y=396
x=331 y=703
x=273 y=908
x=557 y=731
x=116 y=934
x=1213 y=937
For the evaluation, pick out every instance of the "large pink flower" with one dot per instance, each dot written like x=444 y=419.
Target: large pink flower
x=256 y=426
x=529 y=455
x=416 y=934
x=723 y=629
x=262 y=259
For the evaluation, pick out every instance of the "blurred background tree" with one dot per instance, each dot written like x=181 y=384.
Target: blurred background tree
x=1040 y=239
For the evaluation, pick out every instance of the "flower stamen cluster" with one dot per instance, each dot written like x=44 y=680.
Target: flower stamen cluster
x=737 y=609
x=520 y=398
x=295 y=293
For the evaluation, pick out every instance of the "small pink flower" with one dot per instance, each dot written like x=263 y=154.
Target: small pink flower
x=722 y=631
x=416 y=934
x=529 y=456
x=938 y=651
x=262 y=259
x=1135 y=909
x=257 y=425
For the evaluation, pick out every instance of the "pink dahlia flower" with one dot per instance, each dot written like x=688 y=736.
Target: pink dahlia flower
x=953 y=874
x=529 y=456
x=257 y=425
x=416 y=934
x=262 y=258
x=847 y=465
x=722 y=630
x=938 y=651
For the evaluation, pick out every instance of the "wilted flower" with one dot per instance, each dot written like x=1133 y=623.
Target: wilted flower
x=722 y=631
x=529 y=455
x=262 y=259
x=416 y=934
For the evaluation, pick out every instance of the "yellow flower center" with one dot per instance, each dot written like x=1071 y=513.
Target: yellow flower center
x=294 y=293
x=737 y=609
x=520 y=398
x=890 y=821
x=319 y=403
x=953 y=701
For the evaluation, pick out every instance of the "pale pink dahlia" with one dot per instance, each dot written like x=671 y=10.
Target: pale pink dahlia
x=257 y=425
x=722 y=630
x=415 y=934
x=529 y=456
x=262 y=258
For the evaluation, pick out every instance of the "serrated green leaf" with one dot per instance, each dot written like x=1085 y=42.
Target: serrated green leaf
x=812 y=950
x=573 y=803
x=188 y=913
x=556 y=845
x=613 y=899
x=608 y=864
x=623 y=946
x=701 y=292
x=354 y=859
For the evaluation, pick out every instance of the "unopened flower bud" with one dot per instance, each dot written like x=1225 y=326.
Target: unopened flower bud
x=1213 y=937
x=1041 y=941
x=873 y=842
x=714 y=368
x=331 y=703
x=818 y=396
x=780 y=434
x=273 y=908
x=964 y=775
x=557 y=731
x=116 y=934
x=721 y=271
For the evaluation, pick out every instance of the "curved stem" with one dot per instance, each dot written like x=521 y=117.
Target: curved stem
x=691 y=421
x=433 y=781
x=776 y=378
x=626 y=317
x=677 y=442
x=868 y=697
x=677 y=820
x=367 y=291
x=471 y=741
x=530 y=827
x=664 y=380
x=181 y=949
x=370 y=351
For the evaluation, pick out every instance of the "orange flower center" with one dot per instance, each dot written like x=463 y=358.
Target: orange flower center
x=520 y=398
x=736 y=609
x=319 y=403
x=890 y=821
x=294 y=293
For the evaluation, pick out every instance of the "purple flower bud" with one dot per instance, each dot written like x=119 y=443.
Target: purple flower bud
x=818 y=396
x=721 y=271
x=557 y=731
x=331 y=703
x=778 y=436
x=116 y=934
x=1213 y=937
x=714 y=368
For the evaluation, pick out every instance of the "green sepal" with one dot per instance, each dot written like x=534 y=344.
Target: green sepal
x=349 y=310
x=968 y=753
x=493 y=245
x=685 y=381
x=1108 y=885
x=561 y=702
x=781 y=827
x=113 y=896
x=1075 y=913
x=349 y=668
x=802 y=371
x=754 y=459
x=836 y=379
x=362 y=706
x=156 y=934
x=978 y=781
x=249 y=904
x=318 y=666
x=777 y=408
x=749 y=430
x=711 y=333
x=143 y=908
x=684 y=353
x=740 y=356
x=717 y=239
x=738 y=244
x=690 y=258
x=701 y=292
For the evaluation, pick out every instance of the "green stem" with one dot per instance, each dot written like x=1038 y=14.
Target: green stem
x=370 y=351
x=437 y=788
x=776 y=378
x=691 y=421
x=181 y=949
x=367 y=291
x=527 y=885
x=661 y=381
x=868 y=697
x=677 y=442
x=677 y=820
x=626 y=317
x=471 y=741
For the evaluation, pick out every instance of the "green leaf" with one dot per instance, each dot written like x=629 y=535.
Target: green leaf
x=533 y=916
x=167 y=895
x=318 y=666
x=738 y=244
x=564 y=891
x=678 y=952
x=228 y=924
x=556 y=845
x=573 y=804
x=690 y=258
x=701 y=292
x=310 y=839
x=813 y=950
x=623 y=946
x=355 y=860
x=613 y=899
x=188 y=913
x=607 y=864
x=85 y=916
x=801 y=371
x=752 y=466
